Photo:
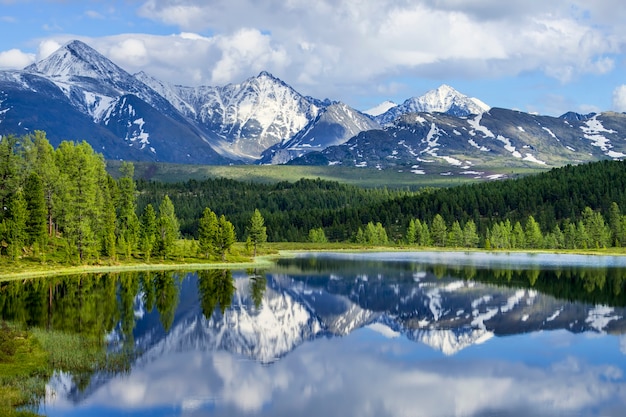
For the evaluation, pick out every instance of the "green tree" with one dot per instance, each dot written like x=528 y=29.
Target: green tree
x=533 y=235
x=518 y=236
x=81 y=198
x=225 y=237
x=108 y=238
x=616 y=225
x=128 y=222
x=470 y=235
x=207 y=232
x=168 y=228
x=257 y=230
x=317 y=235
x=148 y=231
x=411 y=233
x=438 y=230
x=16 y=225
x=40 y=158
x=455 y=236
x=37 y=214
x=422 y=233
x=9 y=172
x=598 y=233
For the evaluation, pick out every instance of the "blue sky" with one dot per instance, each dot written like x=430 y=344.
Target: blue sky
x=538 y=56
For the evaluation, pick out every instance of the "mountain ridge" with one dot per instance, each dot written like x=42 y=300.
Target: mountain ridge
x=264 y=120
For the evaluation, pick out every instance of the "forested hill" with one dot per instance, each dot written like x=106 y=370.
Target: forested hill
x=554 y=197
x=291 y=210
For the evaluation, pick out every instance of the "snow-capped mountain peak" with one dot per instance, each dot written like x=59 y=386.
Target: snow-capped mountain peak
x=77 y=59
x=446 y=99
x=443 y=99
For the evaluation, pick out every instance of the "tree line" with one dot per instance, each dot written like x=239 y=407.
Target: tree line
x=62 y=203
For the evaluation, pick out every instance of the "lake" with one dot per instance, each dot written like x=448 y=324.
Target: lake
x=375 y=334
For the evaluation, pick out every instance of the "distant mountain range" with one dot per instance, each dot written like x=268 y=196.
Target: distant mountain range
x=78 y=94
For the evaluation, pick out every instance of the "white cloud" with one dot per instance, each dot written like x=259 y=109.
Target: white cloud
x=619 y=98
x=15 y=59
x=129 y=51
x=47 y=48
x=345 y=48
x=350 y=43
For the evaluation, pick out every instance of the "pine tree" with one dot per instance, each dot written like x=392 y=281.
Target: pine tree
x=598 y=233
x=257 y=230
x=168 y=228
x=37 y=214
x=207 y=232
x=16 y=224
x=80 y=201
x=225 y=237
x=411 y=233
x=128 y=222
x=9 y=175
x=533 y=235
x=455 y=237
x=470 y=235
x=438 y=230
x=148 y=232
x=615 y=224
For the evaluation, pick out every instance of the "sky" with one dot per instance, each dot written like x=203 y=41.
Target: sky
x=537 y=56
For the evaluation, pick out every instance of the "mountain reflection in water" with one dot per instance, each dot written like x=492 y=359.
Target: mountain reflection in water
x=430 y=334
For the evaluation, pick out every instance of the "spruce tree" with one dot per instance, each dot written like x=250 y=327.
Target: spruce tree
x=36 y=224
x=168 y=228
x=257 y=230
x=148 y=231
x=207 y=232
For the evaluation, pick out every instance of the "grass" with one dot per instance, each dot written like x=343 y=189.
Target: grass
x=23 y=370
x=401 y=178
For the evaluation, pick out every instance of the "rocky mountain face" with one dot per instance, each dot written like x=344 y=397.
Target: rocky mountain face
x=334 y=125
x=78 y=94
x=438 y=142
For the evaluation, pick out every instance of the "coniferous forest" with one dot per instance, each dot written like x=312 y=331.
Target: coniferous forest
x=62 y=202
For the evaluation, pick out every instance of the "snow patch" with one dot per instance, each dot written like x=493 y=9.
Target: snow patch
x=531 y=158
x=592 y=131
x=475 y=124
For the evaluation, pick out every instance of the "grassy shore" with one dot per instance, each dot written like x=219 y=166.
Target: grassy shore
x=268 y=253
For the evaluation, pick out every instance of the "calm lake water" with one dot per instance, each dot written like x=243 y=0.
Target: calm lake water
x=381 y=334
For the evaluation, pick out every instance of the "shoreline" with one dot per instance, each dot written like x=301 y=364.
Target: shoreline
x=268 y=260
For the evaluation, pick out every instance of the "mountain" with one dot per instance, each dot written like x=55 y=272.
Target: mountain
x=334 y=125
x=444 y=99
x=245 y=119
x=442 y=143
x=78 y=94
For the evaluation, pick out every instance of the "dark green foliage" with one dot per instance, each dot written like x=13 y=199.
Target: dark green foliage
x=36 y=206
x=148 y=231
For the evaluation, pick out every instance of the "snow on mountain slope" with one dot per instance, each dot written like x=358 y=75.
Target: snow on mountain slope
x=444 y=99
x=90 y=80
x=334 y=125
x=381 y=108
